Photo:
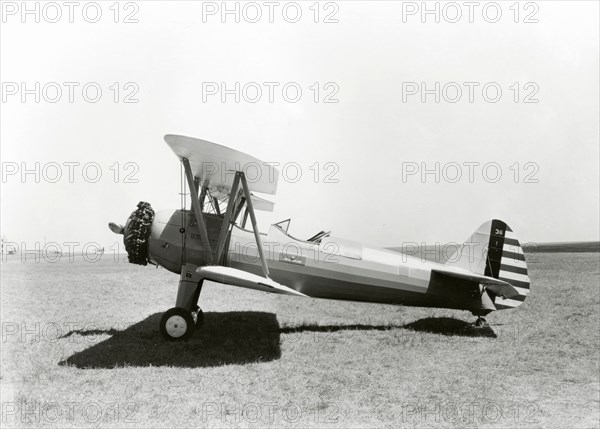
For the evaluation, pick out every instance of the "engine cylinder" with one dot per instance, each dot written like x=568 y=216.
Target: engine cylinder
x=136 y=233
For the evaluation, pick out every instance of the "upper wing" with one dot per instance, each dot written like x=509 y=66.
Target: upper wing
x=234 y=277
x=262 y=204
x=215 y=165
x=258 y=203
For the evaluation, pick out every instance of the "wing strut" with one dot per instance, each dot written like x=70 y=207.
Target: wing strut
x=245 y=218
x=197 y=209
x=239 y=208
x=228 y=217
x=239 y=177
x=250 y=210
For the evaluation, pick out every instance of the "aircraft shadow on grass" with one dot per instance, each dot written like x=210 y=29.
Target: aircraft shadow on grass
x=433 y=325
x=226 y=338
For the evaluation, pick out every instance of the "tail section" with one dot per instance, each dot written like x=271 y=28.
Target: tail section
x=494 y=251
x=513 y=269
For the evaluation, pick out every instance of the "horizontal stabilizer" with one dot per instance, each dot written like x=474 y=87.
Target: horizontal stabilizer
x=503 y=290
x=234 y=277
x=498 y=287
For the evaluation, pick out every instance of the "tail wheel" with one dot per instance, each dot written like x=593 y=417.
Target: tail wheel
x=481 y=323
x=177 y=324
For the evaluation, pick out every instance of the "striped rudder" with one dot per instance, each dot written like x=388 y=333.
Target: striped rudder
x=494 y=251
x=513 y=269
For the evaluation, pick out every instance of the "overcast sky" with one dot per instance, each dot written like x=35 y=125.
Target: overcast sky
x=360 y=121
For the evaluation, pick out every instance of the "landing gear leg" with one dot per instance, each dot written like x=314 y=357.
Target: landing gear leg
x=179 y=322
x=198 y=316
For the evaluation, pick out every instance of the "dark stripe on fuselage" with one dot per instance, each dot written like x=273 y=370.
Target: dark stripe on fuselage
x=512 y=269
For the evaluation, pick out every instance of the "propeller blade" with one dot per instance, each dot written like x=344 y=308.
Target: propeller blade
x=117 y=229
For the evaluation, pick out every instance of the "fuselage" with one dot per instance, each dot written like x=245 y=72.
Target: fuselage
x=332 y=268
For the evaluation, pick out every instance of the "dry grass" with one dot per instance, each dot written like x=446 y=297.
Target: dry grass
x=80 y=347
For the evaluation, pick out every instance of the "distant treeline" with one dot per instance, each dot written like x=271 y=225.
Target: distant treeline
x=439 y=253
x=564 y=247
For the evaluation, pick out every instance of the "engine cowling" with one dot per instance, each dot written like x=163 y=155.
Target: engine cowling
x=136 y=233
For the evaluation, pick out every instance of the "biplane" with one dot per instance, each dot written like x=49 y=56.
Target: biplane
x=211 y=241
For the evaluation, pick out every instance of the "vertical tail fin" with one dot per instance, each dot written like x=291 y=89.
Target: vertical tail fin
x=494 y=251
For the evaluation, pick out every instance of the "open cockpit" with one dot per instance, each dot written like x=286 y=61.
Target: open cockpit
x=284 y=225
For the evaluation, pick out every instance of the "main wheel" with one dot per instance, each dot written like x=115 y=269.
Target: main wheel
x=177 y=324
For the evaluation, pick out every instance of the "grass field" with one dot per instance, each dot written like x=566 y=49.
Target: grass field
x=563 y=247
x=80 y=347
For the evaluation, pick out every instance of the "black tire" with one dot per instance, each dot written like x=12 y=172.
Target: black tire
x=481 y=323
x=177 y=324
x=200 y=318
